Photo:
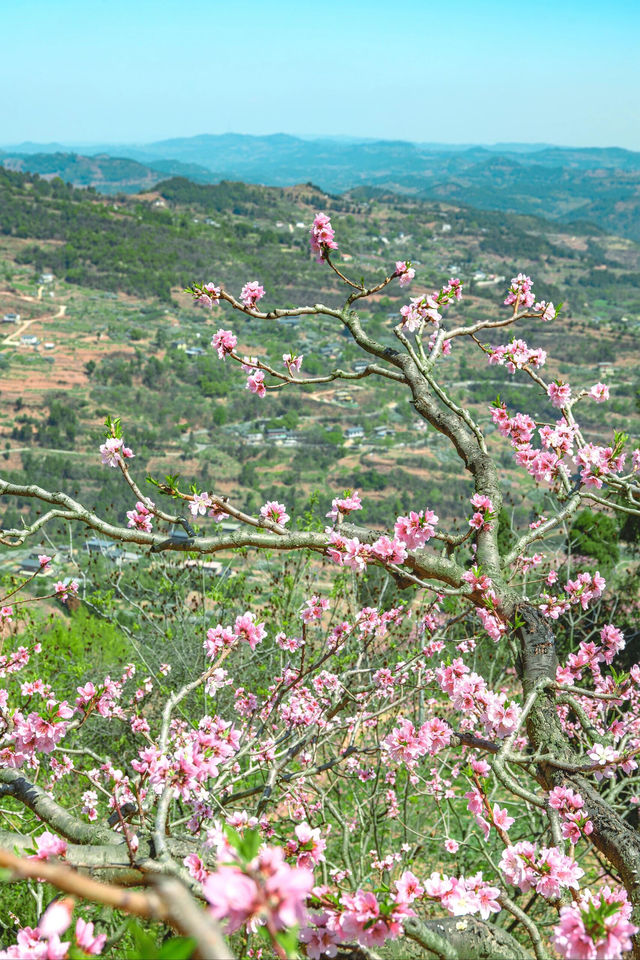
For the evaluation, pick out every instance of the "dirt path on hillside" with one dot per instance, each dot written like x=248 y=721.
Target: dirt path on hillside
x=13 y=341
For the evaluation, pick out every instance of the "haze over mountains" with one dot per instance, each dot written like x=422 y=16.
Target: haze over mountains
x=599 y=185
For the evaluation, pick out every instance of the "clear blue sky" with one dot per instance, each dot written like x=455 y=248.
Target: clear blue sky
x=458 y=71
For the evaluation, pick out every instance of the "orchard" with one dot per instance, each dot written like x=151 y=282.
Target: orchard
x=423 y=777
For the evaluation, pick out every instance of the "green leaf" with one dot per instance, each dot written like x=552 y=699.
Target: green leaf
x=288 y=940
x=233 y=836
x=145 y=946
x=177 y=948
x=76 y=953
x=249 y=845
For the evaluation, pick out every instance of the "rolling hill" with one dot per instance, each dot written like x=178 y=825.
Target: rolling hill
x=567 y=184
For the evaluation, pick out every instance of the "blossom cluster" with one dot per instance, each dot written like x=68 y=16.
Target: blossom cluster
x=570 y=806
x=596 y=927
x=404 y=272
x=322 y=237
x=471 y=696
x=426 y=309
x=193 y=760
x=264 y=888
x=594 y=462
x=516 y=355
x=461 y=896
x=547 y=871
x=520 y=292
x=407 y=745
x=245 y=629
x=43 y=941
x=114 y=451
x=140 y=518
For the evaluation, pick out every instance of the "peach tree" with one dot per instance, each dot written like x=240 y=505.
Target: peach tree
x=392 y=768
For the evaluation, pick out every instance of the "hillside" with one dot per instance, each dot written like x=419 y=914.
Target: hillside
x=115 y=334
x=599 y=185
x=106 y=174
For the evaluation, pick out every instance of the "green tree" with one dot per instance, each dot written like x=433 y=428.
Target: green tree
x=595 y=535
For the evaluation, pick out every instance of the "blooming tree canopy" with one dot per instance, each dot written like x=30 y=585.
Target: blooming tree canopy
x=379 y=778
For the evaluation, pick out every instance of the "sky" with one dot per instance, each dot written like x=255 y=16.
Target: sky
x=454 y=71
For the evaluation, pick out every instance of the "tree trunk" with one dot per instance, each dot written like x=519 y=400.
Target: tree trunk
x=612 y=835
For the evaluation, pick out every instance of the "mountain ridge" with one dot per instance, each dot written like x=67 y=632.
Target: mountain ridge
x=600 y=184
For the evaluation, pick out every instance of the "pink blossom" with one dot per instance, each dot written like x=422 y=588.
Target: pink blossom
x=64 y=589
x=613 y=641
x=341 y=506
x=437 y=886
x=314 y=608
x=501 y=818
x=288 y=643
x=404 y=272
x=355 y=555
x=272 y=510
x=322 y=939
x=520 y=294
x=417 y=311
x=547 y=310
x=274 y=888
x=482 y=502
x=86 y=940
x=56 y=918
x=585 y=932
x=408 y=887
x=233 y=896
x=322 y=237
x=598 y=462
x=251 y=293
x=389 y=551
x=206 y=296
x=49 y=845
x=585 y=588
x=407 y=745
x=599 y=392
x=559 y=393
x=517 y=355
x=464 y=895
x=247 y=629
x=553 y=871
x=110 y=451
x=453 y=288
x=605 y=756
x=196 y=868
x=141 y=517
x=310 y=847
x=255 y=383
x=495 y=627
x=224 y=342
x=416 y=528
x=478 y=581
x=199 y=504
x=516 y=864
x=292 y=362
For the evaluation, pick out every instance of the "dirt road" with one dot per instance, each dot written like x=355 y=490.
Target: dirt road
x=13 y=340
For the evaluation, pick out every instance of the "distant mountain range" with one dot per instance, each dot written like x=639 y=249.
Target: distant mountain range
x=599 y=185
